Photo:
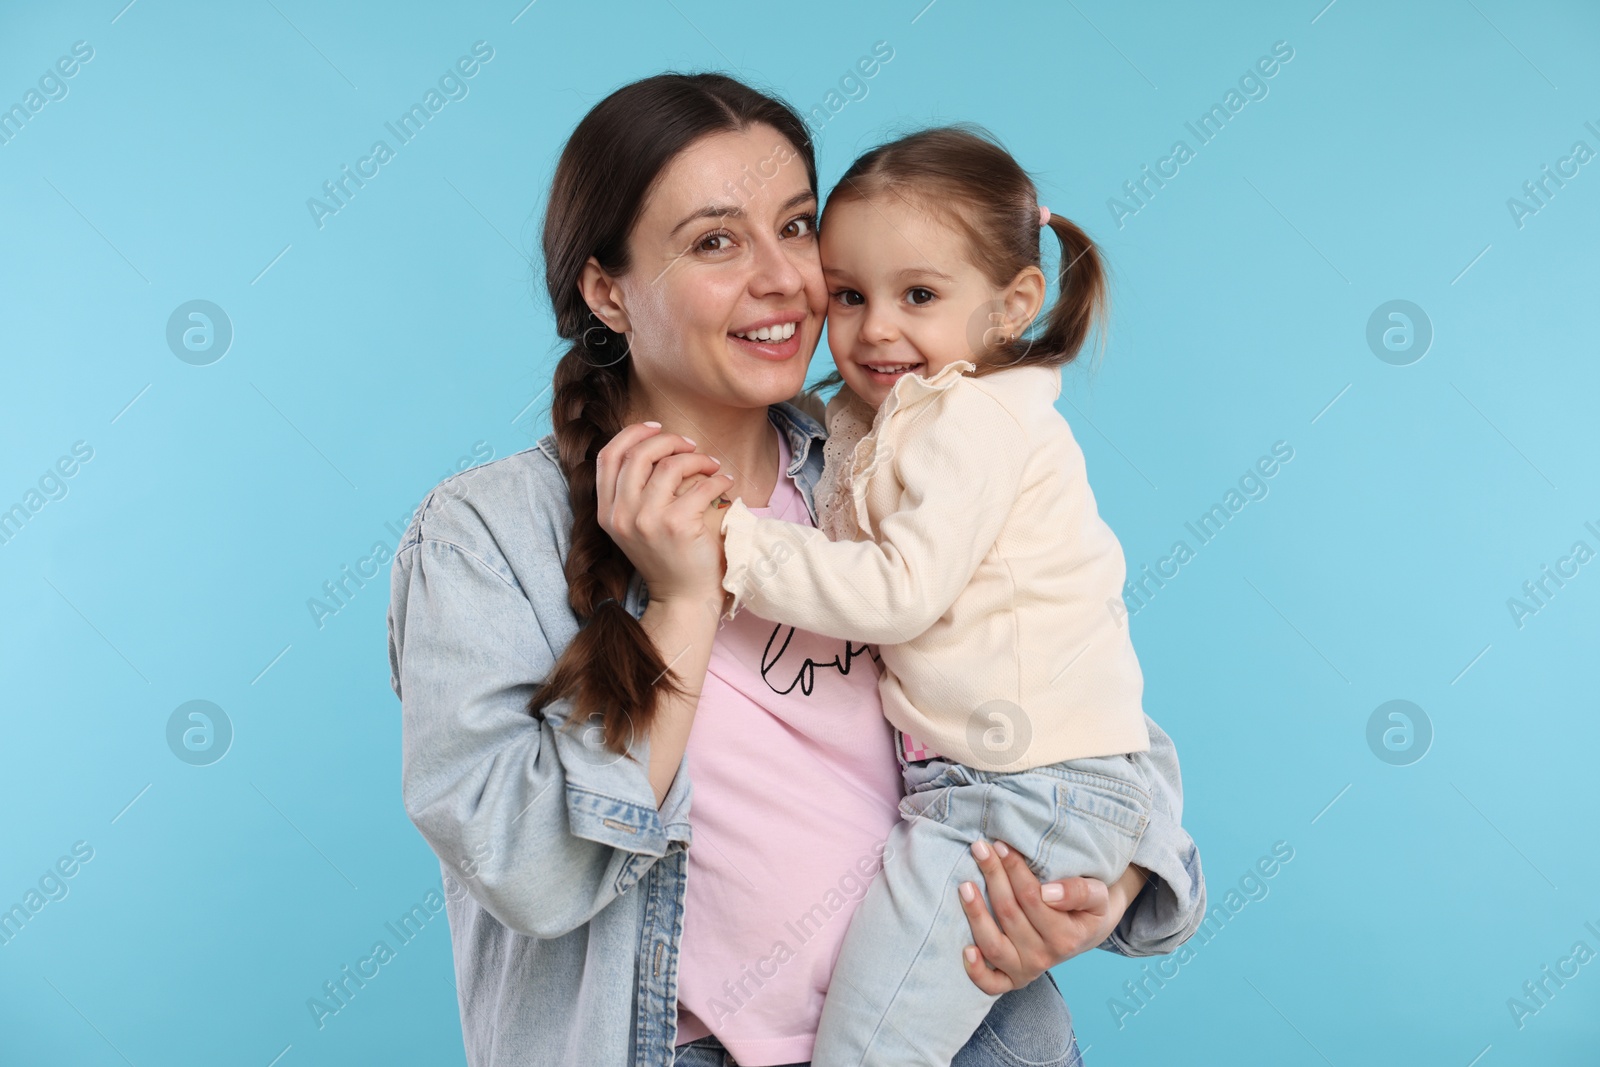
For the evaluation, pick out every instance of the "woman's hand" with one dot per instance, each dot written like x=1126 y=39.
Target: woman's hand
x=1035 y=934
x=713 y=520
x=663 y=531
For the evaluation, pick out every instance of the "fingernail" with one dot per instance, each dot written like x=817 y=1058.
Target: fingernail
x=1052 y=891
x=655 y=425
x=1000 y=847
x=715 y=460
x=971 y=953
x=980 y=850
x=968 y=892
x=691 y=441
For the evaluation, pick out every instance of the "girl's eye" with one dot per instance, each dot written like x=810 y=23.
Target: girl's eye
x=805 y=226
x=918 y=295
x=706 y=240
x=848 y=297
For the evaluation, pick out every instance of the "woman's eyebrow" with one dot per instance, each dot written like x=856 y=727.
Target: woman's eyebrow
x=736 y=211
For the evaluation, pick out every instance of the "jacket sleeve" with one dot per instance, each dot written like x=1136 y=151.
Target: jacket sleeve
x=1172 y=904
x=959 y=463
x=542 y=825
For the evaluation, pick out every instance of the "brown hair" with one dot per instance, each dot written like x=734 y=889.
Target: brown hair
x=962 y=174
x=610 y=163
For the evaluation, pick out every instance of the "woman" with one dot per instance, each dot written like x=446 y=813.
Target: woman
x=554 y=640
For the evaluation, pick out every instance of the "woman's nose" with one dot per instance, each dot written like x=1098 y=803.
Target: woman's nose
x=775 y=272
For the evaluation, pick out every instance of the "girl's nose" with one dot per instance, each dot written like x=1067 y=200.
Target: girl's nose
x=878 y=326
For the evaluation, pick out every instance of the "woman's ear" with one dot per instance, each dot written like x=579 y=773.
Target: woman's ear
x=1024 y=299
x=603 y=294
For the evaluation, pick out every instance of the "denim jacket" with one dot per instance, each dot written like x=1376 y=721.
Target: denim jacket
x=564 y=882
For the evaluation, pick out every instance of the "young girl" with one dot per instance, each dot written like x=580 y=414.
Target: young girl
x=957 y=531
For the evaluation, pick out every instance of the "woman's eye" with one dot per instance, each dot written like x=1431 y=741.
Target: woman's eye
x=848 y=297
x=704 y=241
x=804 y=226
x=919 y=295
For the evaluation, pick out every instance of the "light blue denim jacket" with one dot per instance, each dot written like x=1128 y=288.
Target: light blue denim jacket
x=564 y=882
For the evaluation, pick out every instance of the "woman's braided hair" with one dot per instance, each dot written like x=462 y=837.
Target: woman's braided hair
x=611 y=668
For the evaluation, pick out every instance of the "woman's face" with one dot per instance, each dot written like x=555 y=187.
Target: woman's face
x=724 y=299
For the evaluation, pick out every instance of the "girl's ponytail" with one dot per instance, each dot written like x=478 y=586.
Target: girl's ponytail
x=1081 y=293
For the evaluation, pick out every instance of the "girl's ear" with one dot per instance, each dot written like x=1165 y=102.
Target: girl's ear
x=1024 y=299
x=603 y=295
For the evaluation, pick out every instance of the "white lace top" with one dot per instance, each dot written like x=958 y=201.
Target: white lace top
x=849 y=420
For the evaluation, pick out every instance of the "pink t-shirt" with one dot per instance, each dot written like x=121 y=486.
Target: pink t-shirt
x=796 y=788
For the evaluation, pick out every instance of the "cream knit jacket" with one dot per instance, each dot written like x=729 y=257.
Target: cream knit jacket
x=969 y=549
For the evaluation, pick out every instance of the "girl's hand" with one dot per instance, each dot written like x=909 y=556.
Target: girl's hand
x=663 y=531
x=1034 y=934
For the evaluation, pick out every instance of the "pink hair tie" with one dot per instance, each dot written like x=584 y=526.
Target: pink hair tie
x=1044 y=215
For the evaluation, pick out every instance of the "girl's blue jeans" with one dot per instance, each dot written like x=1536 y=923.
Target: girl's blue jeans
x=899 y=995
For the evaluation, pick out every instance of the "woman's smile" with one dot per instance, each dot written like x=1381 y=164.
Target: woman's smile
x=777 y=337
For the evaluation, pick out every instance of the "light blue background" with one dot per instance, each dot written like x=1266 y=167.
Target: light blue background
x=377 y=351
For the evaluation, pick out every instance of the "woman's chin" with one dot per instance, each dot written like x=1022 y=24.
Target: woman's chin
x=762 y=386
x=779 y=378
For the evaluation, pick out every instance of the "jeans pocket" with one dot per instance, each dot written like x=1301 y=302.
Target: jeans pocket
x=929 y=789
x=1116 y=802
x=933 y=803
x=1099 y=821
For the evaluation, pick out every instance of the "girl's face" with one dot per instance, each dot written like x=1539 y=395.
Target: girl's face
x=903 y=296
x=724 y=301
